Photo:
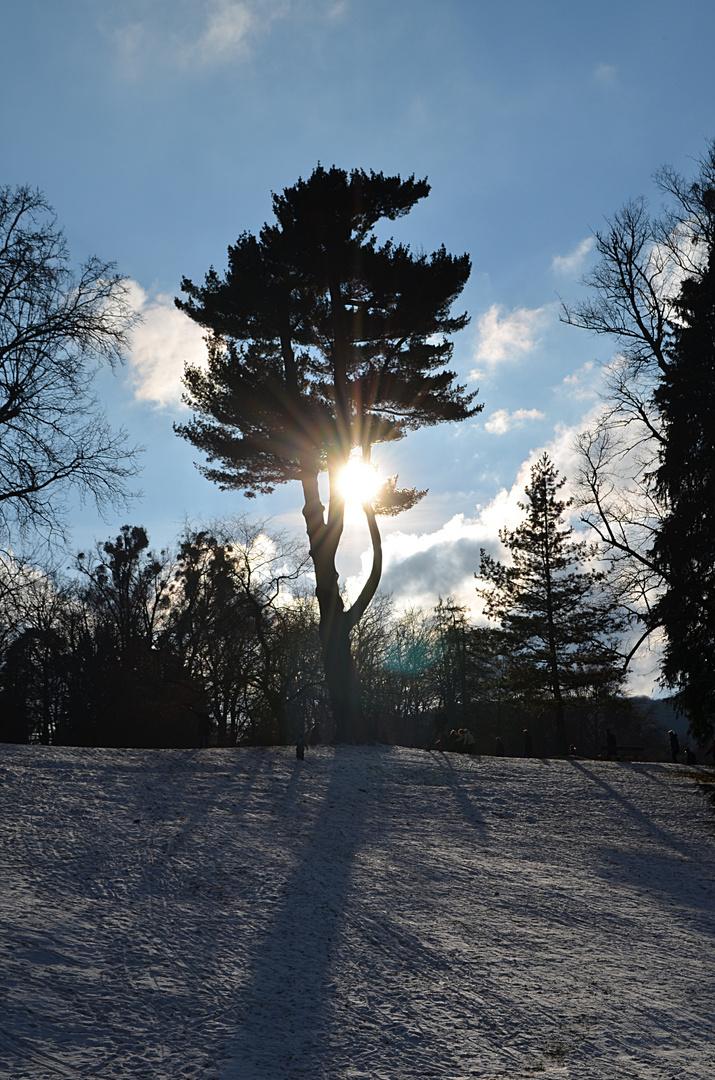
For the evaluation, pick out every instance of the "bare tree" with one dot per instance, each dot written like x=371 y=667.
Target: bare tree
x=633 y=290
x=57 y=326
x=237 y=623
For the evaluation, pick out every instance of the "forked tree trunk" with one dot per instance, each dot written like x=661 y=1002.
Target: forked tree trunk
x=342 y=680
x=336 y=623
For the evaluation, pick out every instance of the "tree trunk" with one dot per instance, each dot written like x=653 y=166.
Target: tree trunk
x=335 y=623
x=553 y=658
x=343 y=682
x=560 y=721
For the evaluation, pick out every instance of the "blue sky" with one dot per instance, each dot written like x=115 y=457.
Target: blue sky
x=159 y=128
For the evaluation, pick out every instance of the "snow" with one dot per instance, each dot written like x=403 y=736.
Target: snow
x=371 y=913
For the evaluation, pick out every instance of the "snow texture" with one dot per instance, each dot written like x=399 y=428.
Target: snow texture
x=370 y=913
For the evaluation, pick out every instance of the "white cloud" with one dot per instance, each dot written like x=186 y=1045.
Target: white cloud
x=162 y=343
x=206 y=34
x=338 y=10
x=605 y=75
x=506 y=337
x=584 y=383
x=225 y=36
x=418 y=568
x=645 y=668
x=572 y=263
x=502 y=420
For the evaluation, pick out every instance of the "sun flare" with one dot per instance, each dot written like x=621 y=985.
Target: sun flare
x=359 y=481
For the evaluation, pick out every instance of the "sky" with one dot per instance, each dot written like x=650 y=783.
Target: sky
x=159 y=128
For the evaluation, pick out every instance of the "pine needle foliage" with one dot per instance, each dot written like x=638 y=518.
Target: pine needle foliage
x=559 y=629
x=323 y=340
x=685 y=547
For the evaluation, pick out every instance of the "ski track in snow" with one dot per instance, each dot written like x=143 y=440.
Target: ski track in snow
x=371 y=913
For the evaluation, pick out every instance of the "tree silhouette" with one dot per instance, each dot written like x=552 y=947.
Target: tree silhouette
x=633 y=298
x=141 y=692
x=323 y=341
x=229 y=619
x=56 y=328
x=685 y=546
x=558 y=628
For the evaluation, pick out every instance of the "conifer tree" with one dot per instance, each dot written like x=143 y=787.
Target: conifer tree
x=322 y=341
x=559 y=631
x=685 y=547
x=632 y=298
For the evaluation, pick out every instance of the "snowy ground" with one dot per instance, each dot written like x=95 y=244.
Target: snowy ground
x=375 y=913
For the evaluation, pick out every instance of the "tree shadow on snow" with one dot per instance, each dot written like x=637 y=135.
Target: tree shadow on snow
x=283 y=1010
x=645 y=822
x=463 y=786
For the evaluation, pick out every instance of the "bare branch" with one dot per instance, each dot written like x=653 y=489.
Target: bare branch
x=57 y=326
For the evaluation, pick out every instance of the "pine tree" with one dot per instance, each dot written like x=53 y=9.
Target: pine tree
x=322 y=341
x=685 y=547
x=559 y=633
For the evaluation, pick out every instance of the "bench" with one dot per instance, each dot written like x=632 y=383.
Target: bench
x=623 y=753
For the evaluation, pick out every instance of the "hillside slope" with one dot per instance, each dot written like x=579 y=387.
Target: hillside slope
x=374 y=913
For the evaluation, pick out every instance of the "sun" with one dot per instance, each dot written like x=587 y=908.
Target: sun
x=359 y=481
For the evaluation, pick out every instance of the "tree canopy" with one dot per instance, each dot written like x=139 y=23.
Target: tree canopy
x=323 y=341
x=685 y=546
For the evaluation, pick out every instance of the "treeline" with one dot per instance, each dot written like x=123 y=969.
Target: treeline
x=215 y=642
x=220 y=638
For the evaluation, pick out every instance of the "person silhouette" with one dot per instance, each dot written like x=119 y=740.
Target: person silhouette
x=204 y=731
x=674 y=746
x=528 y=745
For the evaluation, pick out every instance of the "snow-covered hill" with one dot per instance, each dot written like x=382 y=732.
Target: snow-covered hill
x=375 y=913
